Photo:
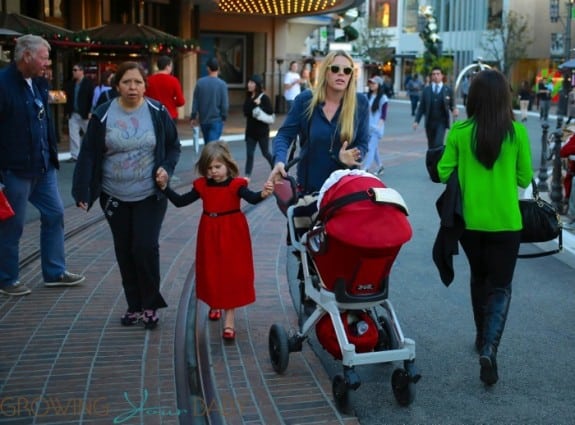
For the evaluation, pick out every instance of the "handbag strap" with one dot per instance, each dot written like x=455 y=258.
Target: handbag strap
x=534 y=189
x=545 y=253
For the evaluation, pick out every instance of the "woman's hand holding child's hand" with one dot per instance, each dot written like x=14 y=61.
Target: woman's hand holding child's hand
x=268 y=189
x=162 y=178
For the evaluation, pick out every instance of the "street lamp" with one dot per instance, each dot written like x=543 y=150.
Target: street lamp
x=568 y=30
x=279 y=104
x=555 y=16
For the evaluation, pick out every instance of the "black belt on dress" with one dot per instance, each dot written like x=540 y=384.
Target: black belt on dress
x=217 y=214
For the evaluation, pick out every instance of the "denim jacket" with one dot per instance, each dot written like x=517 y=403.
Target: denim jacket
x=319 y=154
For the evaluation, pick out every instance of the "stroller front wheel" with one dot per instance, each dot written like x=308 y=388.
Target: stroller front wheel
x=278 y=345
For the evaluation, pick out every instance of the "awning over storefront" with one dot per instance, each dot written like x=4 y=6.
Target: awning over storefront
x=132 y=37
x=25 y=25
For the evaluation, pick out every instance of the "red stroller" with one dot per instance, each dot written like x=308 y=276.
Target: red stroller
x=346 y=257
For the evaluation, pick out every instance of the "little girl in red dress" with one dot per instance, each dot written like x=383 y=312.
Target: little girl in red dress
x=224 y=262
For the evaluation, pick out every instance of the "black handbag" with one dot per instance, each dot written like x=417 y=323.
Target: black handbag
x=541 y=223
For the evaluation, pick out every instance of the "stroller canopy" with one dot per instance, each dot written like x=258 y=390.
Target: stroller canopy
x=366 y=223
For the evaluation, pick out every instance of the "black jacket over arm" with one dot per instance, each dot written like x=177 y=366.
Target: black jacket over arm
x=450 y=209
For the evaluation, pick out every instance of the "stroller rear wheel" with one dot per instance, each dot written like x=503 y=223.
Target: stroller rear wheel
x=403 y=387
x=278 y=344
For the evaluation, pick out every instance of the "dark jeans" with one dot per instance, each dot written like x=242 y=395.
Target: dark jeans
x=251 y=144
x=492 y=256
x=414 y=101
x=212 y=131
x=136 y=230
x=435 y=131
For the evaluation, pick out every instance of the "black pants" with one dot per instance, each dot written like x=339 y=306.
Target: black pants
x=136 y=230
x=435 y=130
x=492 y=256
x=251 y=143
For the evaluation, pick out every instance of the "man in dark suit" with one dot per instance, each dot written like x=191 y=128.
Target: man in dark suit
x=437 y=104
x=79 y=92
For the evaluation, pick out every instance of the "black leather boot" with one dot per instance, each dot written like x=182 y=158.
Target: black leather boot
x=495 y=318
x=478 y=302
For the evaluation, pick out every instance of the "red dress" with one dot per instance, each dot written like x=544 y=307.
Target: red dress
x=224 y=261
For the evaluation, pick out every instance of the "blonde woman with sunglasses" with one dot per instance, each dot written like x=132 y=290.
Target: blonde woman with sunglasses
x=332 y=123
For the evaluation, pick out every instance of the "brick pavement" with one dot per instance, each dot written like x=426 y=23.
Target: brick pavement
x=65 y=359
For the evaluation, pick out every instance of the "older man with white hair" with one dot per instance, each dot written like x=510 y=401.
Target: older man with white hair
x=28 y=164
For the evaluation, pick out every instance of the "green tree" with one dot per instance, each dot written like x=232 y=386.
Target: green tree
x=432 y=55
x=507 y=40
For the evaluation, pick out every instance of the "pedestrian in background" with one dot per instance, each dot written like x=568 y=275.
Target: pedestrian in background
x=79 y=93
x=257 y=132
x=224 y=261
x=292 y=81
x=28 y=167
x=131 y=141
x=544 y=90
x=570 y=105
x=378 y=103
x=568 y=152
x=165 y=87
x=210 y=103
x=491 y=156
x=437 y=105
x=104 y=86
x=524 y=98
x=108 y=94
x=465 y=89
x=305 y=82
x=414 y=88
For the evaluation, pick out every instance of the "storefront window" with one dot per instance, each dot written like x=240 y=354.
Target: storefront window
x=495 y=13
x=410 y=14
x=52 y=8
x=383 y=14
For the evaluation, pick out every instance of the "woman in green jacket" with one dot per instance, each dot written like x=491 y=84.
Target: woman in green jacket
x=492 y=157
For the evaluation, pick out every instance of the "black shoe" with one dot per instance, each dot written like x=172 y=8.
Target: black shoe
x=150 y=319
x=67 y=279
x=488 y=372
x=131 y=319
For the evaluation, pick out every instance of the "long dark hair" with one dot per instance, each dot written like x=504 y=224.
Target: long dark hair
x=490 y=111
x=378 y=96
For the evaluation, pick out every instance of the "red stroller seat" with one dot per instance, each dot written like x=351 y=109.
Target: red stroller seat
x=361 y=228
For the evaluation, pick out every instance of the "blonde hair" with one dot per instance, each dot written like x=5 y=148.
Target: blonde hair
x=217 y=151
x=347 y=116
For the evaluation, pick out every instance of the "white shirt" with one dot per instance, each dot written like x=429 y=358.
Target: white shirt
x=293 y=91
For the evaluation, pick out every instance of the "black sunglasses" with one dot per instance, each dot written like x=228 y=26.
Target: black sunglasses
x=40 y=106
x=347 y=70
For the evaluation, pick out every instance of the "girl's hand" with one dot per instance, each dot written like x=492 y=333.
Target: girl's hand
x=350 y=157
x=268 y=189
